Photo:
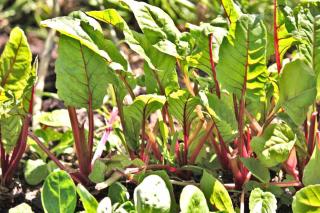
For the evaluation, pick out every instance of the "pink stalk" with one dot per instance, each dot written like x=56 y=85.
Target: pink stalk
x=213 y=68
x=276 y=37
x=105 y=136
x=291 y=164
x=311 y=135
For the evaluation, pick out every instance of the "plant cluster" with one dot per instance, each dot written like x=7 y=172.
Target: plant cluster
x=228 y=103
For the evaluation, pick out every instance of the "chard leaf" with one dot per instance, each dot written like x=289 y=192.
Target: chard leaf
x=310 y=174
x=82 y=75
x=232 y=10
x=98 y=172
x=216 y=193
x=222 y=115
x=15 y=69
x=274 y=146
x=297 y=87
x=309 y=32
x=262 y=202
x=105 y=206
x=112 y=17
x=307 y=199
x=59 y=193
x=137 y=113
x=242 y=62
x=286 y=27
x=156 y=25
x=160 y=67
x=90 y=204
x=192 y=200
x=10 y=131
x=182 y=106
x=257 y=169
x=200 y=55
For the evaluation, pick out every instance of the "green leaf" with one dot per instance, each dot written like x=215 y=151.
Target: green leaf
x=309 y=32
x=297 y=87
x=111 y=16
x=56 y=118
x=155 y=24
x=21 y=208
x=15 y=70
x=216 y=193
x=35 y=171
x=307 y=199
x=118 y=193
x=90 y=204
x=257 y=169
x=310 y=176
x=262 y=202
x=192 y=200
x=10 y=131
x=222 y=114
x=200 y=55
x=89 y=83
x=182 y=106
x=137 y=113
x=160 y=67
x=286 y=27
x=242 y=59
x=98 y=172
x=152 y=195
x=274 y=146
x=59 y=193
x=232 y=10
x=71 y=27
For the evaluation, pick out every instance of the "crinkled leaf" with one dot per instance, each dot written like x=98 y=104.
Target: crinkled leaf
x=10 y=131
x=262 y=202
x=200 y=55
x=286 y=27
x=182 y=106
x=156 y=25
x=257 y=169
x=137 y=113
x=216 y=193
x=222 y=115
x=15 y=70
x=274 y=146
x=59 y=193
x=242 y=59
x=90 y=204
x=192 y=200
x=298 y=90
x=307 y=199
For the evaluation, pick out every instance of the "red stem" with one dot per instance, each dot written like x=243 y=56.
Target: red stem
x=76 y=177
x=276 y=38
x=311 y=135
x=213 y=68
x=80 y=144
x=91 y=129
x=200 y=145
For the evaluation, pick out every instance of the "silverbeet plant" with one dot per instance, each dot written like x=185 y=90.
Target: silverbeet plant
x=17 y=77
x=213 y=104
